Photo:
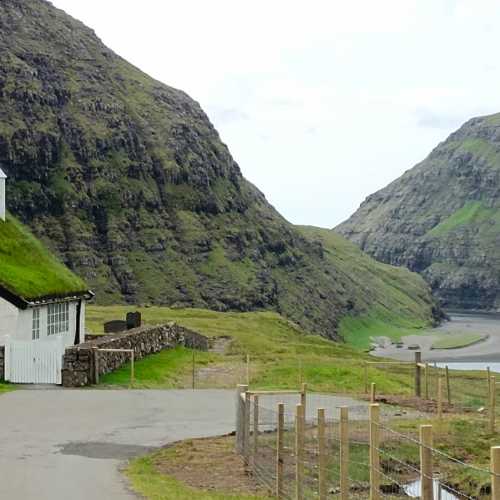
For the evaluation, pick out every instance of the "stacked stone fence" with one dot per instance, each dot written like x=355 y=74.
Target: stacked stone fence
x=83 y=364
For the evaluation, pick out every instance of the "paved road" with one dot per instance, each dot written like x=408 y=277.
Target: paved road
x=70 y=444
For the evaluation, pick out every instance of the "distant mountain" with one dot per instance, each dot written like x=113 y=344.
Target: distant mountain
x=129 y=183
x=442 y=218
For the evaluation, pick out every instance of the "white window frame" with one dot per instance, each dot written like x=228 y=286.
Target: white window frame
x=35 y=324
x=57 y=318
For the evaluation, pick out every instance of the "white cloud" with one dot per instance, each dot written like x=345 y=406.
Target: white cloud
x=321 y=102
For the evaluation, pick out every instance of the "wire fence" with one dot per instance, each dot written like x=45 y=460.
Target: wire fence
x=305 y=448
x=437 y=389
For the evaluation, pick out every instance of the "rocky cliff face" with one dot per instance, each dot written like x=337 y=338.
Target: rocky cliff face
x=442 y=218
x=128 y=181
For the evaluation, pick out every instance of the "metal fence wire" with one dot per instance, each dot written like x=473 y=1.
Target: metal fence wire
x=299 y=446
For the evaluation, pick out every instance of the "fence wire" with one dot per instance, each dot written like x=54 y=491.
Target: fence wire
x=399 y=453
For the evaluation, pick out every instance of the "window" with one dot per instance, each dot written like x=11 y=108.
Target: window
x=58 y=318
x=35 y=328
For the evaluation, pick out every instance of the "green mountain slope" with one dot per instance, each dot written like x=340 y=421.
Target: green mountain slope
x=128 y=181
x=390 y=301
x=442 y=218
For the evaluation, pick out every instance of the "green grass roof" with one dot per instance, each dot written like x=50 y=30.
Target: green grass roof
x=28 y=269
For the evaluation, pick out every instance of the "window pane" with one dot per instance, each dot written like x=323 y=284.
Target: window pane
x=58 y=318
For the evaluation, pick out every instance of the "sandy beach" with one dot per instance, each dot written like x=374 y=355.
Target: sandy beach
x=488 y=350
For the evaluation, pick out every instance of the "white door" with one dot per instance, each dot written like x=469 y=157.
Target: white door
x=34 y=362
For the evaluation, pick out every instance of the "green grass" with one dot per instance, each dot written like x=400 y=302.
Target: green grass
x=358 y=331
x=279 y=352
x=473 y=212
x=390 y=301
x=28 y=269
x=153 y=485
x=6 y=387
x=456 y=341
x=165 y=369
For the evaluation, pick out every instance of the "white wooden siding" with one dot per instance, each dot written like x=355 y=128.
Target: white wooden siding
x=34 y=362
x=16 y=324
x=8 y=320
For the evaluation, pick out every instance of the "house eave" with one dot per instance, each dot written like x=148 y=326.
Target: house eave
x=23 y=303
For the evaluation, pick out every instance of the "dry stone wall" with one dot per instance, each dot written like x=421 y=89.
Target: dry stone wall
x=83 y=364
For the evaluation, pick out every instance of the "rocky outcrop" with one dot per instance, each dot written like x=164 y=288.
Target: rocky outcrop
x=442 y=218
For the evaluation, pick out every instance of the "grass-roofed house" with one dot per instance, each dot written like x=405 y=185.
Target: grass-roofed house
x=40 y=298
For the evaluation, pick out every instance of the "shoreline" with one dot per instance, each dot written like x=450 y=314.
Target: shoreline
x=485 y=350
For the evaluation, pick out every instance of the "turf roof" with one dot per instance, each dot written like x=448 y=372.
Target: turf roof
x=28 y=270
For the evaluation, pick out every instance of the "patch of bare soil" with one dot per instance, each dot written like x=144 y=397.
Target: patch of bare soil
x=412 y=402
x=220 y=344
x=208 y=464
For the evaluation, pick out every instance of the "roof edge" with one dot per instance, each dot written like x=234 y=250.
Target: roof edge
x=24 y=303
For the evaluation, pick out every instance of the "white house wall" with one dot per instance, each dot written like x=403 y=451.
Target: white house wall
x=82 y=322
x=8 y=320
x=18 y=323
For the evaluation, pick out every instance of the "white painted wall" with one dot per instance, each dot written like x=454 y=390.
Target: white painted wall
x=18 y=323
x=8 y=320
x=82 y=323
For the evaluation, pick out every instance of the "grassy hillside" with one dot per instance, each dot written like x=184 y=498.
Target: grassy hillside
x=281 y=354
x=28 y=269
x=392 y=301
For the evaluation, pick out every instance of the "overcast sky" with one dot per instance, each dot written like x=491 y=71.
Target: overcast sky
x=320 y=102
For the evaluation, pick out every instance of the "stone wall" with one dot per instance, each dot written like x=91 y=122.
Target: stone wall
x=2 y=362
x=83 y=364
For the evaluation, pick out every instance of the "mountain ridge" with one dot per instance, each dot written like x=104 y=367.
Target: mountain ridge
x=442 y=218
x=126 y=179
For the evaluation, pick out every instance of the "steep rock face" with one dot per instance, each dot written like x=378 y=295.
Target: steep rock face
x=128 y=181
x=442 y=218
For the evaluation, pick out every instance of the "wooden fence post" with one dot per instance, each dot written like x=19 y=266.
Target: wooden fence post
x=194 y=371
x=495 y=473
x=418 y=381
x=488 y=375
x=344 y=453
x=492 y=404
x=299 y=452
x=374 y=452
x=448 y=389
x=321 y=455
x=246 y=420
x=426 y=380
x=280 y=447
x=366 y=377
x=373 y=392
x=255 y=429
x=248 y=370
x=303 y=399
x=426 y=478
x=240 y=418
x=440 y=398
x=132 y=368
